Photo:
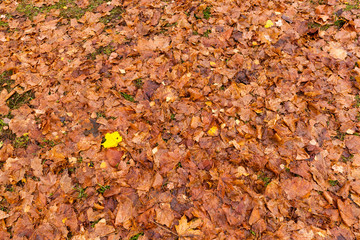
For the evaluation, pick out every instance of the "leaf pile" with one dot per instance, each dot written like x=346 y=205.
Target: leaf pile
x=179 y=119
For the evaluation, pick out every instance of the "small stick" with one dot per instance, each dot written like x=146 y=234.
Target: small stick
x=165 y=228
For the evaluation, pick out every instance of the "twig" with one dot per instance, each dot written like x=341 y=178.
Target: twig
x=180 y=237
x=165 y=228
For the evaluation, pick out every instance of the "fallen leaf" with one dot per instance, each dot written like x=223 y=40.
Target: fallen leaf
x=297 y=187
x=187 y=229
x=346 y=212
x=269 y=24
x=213 y=131
x=337 y=51
x=113 y=156
x=112 y=140
x=125 y=210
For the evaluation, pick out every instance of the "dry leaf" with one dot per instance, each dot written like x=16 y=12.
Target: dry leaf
x=188 y=229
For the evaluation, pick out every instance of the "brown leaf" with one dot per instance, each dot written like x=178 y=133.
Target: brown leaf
x=346 y=212
x=296 y=188
x=113 y=156
x=255 y=216
x=102 y=229
x=125 y=211
x=164 y=214
x=352 y=142
x=336 y=51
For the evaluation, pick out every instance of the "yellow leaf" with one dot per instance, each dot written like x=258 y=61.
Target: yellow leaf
x=103 y=164
x=208 y=103
x=357 y=78
x=213 y=64
x=213 y=131
x=112 y=140
x=269 y=24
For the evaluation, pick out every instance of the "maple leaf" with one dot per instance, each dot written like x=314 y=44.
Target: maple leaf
x=112 y=140
x=187 y=229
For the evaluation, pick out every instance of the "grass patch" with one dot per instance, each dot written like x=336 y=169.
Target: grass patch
x=68 y=8
x=27 y=9
x=107 y=50
x=22 y=142
x=5 y=81
x=333 y=182
x=319 y=26
x=264 y=178
x=2 y=125
x=5 y=132
x=314 y=25
x=347 y=159
x=339 y=23
x=166 y=27
x=9 y=188
x=138 y=83
x=4 y=205
x=357 y=101
x=172 y=116
x=17 y=100
x=207 y=12
x=47 y=143
x=94 y=223
x=350 y=6
x=340 y=135
x=100 y=114
x=136 y=237
x=178 y=165
x=206 y=33
x=81 y=192
x=127 y=97
x=102 y=188
x=3 y=24
x=113 y=17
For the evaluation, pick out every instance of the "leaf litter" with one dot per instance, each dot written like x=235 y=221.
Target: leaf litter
x=179 y=119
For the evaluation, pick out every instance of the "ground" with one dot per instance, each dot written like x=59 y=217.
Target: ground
x=155 y=119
